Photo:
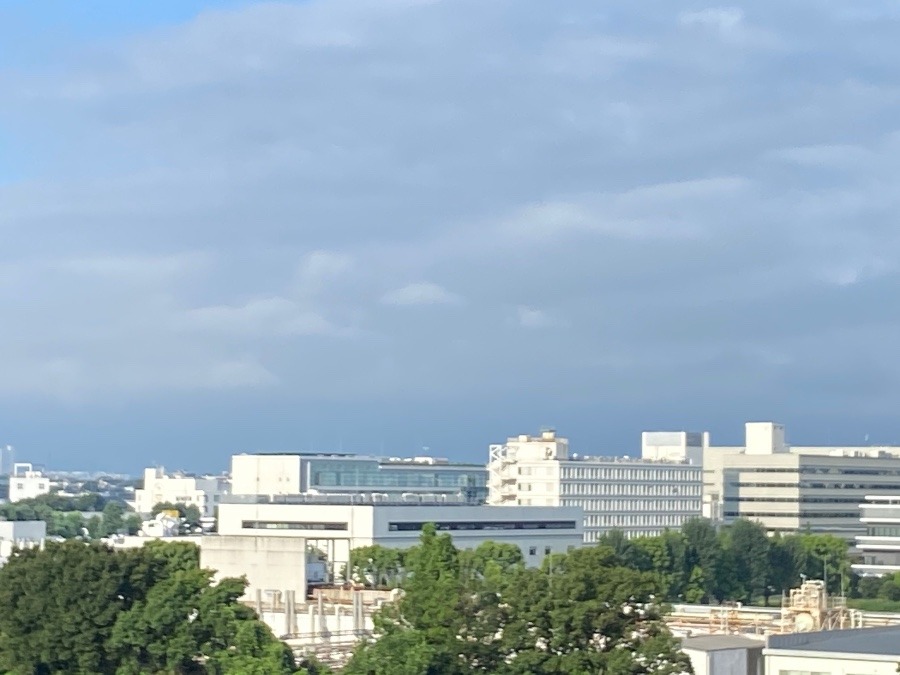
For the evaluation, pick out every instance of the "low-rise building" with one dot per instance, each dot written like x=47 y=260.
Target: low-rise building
x=337 y=524
x=640 y=497
x=204 y=492
x=860 y=651
x=338 y=473
x=20 y=534
x=724 y=654
x=880 y=545
x=26 y=482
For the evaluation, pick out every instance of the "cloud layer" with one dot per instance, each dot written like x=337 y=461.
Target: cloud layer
x=644 y=202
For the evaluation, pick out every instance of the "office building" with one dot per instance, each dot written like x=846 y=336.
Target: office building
x=26 y=482
x=300 y=473
x=790 y=490
x=880 y=543
x=724 y=654
x=859 y=651
x=336 y=524
x=204 y=492
x=637 y=496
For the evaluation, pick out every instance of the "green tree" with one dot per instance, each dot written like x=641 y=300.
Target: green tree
x=113 y=518
x=749 y=548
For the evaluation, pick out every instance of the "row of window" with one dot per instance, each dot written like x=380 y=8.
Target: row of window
x=486 y=525
x=685 y=473
x=290 y=525
x=802 y=514
x=883 y=531
x=808 y=485
x=630 y=489
x=634 y=505
x=796 y=500
x=660 y=520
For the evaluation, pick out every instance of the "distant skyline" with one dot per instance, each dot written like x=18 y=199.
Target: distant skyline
x=235 y=226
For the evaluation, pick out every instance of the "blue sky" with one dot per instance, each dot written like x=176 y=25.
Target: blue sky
x=392 y=224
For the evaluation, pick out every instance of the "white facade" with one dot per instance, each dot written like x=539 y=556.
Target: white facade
x=265 y=475
x=202 y=492
x=27 y=483
x=20 y=534
x=861 y=651
x=637 y=496
x=788 y=490
x=880 y=545
x=337 y=528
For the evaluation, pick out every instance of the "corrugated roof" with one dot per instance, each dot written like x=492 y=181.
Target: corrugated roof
x=881 y=641
x=712 y=643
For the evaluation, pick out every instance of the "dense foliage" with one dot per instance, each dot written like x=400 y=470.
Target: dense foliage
x=483 y=611
x=65 y=515
x=83 y=608
x=698 y=563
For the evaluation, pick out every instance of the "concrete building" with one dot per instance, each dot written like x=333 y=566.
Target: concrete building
x=269 y=563
x=300 y=473
x=880 y=544
x=861 y=651
x=793 y=489
x=724 y=654
x=20 y=534
x=638 y=496
x=204 y=492
x=337 y=524
x=26 y=482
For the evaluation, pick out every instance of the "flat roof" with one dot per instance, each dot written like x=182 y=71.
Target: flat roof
x=712 y=643
x=880 y=641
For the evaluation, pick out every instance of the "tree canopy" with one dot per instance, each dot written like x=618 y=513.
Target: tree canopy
x=84 y=608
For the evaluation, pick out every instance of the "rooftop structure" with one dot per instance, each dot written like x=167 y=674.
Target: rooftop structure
x=640 y=496
x=302 y=473
x=724 y=654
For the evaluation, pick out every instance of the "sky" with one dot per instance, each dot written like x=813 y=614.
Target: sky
x=379 y=226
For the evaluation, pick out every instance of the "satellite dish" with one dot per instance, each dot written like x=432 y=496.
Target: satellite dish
x=804 y=623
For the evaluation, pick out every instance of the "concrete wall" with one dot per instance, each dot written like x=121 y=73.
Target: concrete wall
x=265 y=475
x=14 y=530
x=269 y=563
x=829 y=664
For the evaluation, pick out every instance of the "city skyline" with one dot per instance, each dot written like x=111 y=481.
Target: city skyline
x=233 y=226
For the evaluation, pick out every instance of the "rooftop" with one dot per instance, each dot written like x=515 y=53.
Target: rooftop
x=713 y=643
x=881 y=641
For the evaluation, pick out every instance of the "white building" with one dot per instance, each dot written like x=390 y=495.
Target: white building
x=336 y=525
x=204 y=492
x=20 y=534
x=340 y=473
x=860 y=651
x=637 y=496
x=880 y=545
x=26 y=482
x=793 y=489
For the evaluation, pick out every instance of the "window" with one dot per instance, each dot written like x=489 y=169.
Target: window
x=532 y=550
x=485 y=525
x=547 y=550
x=286 y=525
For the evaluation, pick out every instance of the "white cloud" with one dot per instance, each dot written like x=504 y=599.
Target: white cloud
x=721 y=18
x=420 y=293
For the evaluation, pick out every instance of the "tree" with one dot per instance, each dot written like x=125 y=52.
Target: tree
x=84 y=608
x=113 y=518
x=749 y=548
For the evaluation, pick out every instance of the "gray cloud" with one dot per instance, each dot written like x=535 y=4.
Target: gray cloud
x=675 y=197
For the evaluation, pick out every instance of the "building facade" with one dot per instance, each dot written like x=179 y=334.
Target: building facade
x=204 y=492
x=337 y=524
x=859 y=651
x=790 y=491
x=26 y=482
x=880 y=544
x=294 y=474
x=641 y=497
x=20 y=534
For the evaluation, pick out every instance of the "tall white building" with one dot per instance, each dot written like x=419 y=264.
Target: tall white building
x=203 y=492
x=792 y=489
x=26 y=482
x=637 y=496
